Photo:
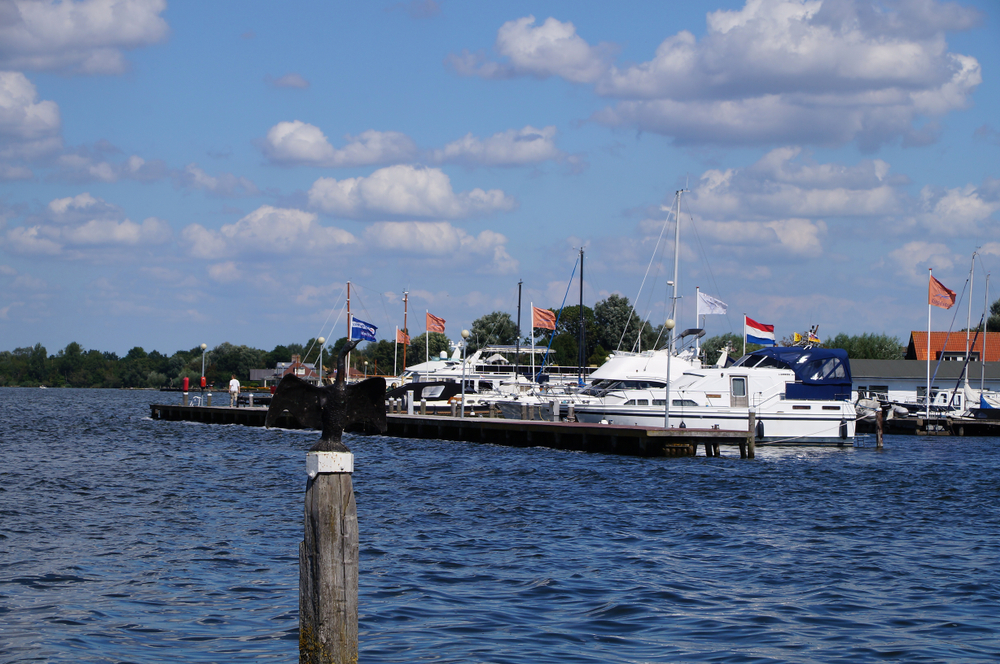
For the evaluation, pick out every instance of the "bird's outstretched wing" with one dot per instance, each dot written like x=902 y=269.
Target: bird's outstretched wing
x=300 y=399
x=366 y=406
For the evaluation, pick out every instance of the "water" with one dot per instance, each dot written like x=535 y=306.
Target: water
x=123 y=539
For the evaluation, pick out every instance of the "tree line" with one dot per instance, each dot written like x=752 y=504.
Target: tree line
x=610 y=325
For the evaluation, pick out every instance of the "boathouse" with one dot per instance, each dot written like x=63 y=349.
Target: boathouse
x=304 y=370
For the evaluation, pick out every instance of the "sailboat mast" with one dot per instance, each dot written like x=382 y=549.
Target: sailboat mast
x=348 y=364
x=517 y=342
x=405 y=330
x=581 y=359
x=968 y=325
x=677 y=260
x=982 y=353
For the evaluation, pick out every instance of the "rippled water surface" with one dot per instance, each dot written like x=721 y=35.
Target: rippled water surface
x=123 y=539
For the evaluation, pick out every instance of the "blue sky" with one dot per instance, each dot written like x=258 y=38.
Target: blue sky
x=181 y=173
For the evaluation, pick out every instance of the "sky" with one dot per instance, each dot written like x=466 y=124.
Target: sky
x=174 y=174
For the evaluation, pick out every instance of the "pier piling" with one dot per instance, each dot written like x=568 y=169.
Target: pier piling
x=328 y=563
x=751 y=435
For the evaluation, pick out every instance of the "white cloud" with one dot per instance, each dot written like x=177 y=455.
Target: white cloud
x=74 y=239
x=267 y=230
x=550 y=49
x=514 y=147
x=404 y=191
x=774 y=71
x=225 y=184
x=956 y=212
x=86 y=37
x=783 y=183
x=225 y=273
x=796 y=237
x=28 y=128
x=290 y=80
x=78 y=225
x=300 y=143
x=443 y=241
x=913 y=259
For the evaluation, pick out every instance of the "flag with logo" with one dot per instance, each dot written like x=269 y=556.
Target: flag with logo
x=758 y=333
x=402 y=337
x=709 y=305
x=543 y=318
x=940 y=296
x=435 y=324
x=362 y=330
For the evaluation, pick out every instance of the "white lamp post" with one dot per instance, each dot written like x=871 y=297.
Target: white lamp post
x=203 y=348
x=321 y=340
x=465 y=342
x=366 y=369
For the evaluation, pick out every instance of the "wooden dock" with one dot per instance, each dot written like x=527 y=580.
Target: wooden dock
x=574 y=436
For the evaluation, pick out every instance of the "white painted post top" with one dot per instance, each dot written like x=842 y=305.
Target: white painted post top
x=329 y=462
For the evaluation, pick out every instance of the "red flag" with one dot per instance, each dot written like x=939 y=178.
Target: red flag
x=543 y=318
x=940 y=296
x=402 y=337
x=435 y=324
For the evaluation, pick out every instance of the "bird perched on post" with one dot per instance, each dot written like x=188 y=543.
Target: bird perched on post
x=332 y=407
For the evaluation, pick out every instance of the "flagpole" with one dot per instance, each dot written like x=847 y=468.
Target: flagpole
x=533 y=376
x=697 y=315
x=427 y=338
x=348 y=365
x=744 y=334
x=395 y=352
x=927 y=396
x=406 y=331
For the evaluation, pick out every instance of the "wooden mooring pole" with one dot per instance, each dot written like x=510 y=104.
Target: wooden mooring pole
x=878 y=428
x=328 y=563
x=751 y=434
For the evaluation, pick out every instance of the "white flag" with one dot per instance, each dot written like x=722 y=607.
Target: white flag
x=710 y=305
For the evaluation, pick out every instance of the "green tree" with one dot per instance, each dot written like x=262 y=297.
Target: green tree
x=993 y=322
x=419 y=351
x=379 y=355
x=496 y=328
x=618 y=326
x=227 y=359
x=712 y=347
x=868 y=346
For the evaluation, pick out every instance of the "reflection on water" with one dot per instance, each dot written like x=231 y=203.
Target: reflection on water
x=125 y=539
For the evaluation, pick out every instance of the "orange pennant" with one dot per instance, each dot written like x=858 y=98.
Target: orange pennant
x=939 y=296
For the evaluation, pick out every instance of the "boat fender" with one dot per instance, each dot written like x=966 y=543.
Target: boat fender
x=843 y=429
x=760 y=429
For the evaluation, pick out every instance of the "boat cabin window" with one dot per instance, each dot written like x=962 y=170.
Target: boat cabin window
x=659 y=402
x=739 y=387
x=431 y=392
x=684 y=402
x=761 y=362
x=824 y=369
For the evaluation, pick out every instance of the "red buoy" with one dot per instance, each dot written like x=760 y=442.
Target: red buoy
x=186 y=382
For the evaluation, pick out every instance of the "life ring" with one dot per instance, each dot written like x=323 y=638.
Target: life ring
x=455 y=399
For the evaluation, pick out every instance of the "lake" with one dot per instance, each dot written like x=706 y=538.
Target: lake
x=124 y=539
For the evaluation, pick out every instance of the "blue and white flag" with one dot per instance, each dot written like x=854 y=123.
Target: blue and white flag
x=362 y=330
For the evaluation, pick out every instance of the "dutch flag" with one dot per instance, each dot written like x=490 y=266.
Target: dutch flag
x=757 y=333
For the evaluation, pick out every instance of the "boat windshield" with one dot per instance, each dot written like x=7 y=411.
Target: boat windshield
x=761 y=362
x=601 y=387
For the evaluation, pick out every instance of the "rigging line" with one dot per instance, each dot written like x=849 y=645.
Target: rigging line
x=639 y=294
x=311 y=345
x=708 y=266
x=365 y=309
x=957 y=305
x=336 y=323
x=552 y=334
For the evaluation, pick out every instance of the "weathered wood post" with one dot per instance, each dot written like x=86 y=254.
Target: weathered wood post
x=328 y=554
x=208 y=399
x=878 y=428
x=751 y=434
x=454 y=409
x=524 y=411
x=571 y=417
x=423 y=406
x=328 y=562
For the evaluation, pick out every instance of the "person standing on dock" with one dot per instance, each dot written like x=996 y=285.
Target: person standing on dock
x=234 y=390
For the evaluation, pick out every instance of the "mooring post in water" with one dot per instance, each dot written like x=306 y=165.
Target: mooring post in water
x=751 y=434
x=878 y=428
x=328 y=563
